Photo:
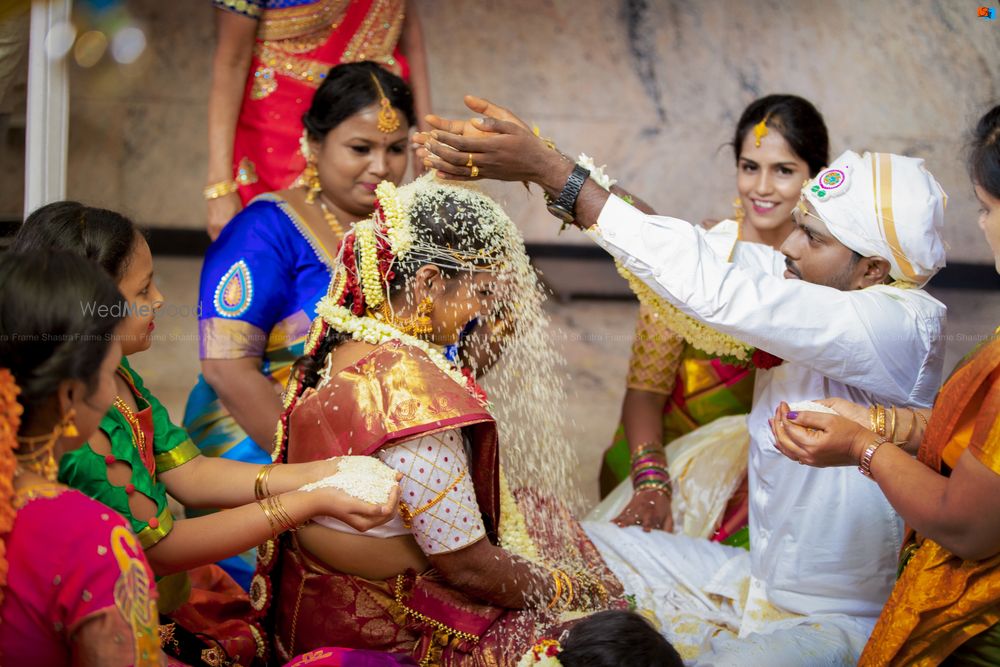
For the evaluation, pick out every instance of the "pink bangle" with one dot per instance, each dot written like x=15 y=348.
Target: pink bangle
x=865 y=466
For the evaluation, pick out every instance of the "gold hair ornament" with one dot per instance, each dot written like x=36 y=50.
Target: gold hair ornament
x=388 y=119
x=759 y=131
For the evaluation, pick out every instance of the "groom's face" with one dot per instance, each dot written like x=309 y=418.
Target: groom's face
x=813 y=254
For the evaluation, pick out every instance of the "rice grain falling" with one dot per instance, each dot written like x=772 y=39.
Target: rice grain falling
x=362 y=477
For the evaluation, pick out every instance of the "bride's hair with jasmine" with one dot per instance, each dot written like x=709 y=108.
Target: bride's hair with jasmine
x=460 y=229
x=455 y=228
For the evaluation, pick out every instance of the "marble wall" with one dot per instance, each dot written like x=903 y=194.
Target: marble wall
x=653 y=88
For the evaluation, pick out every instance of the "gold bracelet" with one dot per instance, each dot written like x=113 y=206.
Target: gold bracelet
x=923 y=418
x=873 y=418
x=270 y=519
x=220 y=189
x=260 y=490
x=881 y=420
x=892 y=429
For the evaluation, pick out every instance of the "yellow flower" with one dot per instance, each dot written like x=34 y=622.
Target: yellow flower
x=513 y=529
x=699 y=335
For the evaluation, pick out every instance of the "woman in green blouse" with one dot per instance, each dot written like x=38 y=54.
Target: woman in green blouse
x=139 y=455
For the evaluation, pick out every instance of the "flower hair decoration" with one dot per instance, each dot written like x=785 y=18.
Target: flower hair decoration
x=543 y=654
x=10 y=421
x=368 y=253
x=357 y=303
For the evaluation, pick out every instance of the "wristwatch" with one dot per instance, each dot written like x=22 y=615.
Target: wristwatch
x=563 y=206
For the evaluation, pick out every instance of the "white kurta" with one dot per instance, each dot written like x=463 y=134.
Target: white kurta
x=823 y=541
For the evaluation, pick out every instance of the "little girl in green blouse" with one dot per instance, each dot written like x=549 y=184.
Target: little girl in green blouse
x=139 y=455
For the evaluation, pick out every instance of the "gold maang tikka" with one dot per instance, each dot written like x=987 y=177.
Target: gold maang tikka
x=759 y=131
x=388 y=119
x=42 y=460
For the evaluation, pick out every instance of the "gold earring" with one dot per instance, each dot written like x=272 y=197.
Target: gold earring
x=422 y=325
x=310 y=175
x=739 y=213
x=69 y=428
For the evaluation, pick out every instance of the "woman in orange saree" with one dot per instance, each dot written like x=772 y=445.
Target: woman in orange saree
x=467 y=574
x=944 y=607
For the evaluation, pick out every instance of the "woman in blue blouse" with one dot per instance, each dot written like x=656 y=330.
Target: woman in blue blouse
x=265 y=273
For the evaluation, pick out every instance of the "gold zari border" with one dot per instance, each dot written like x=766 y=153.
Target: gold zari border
x=177 y=456
x=149 y=536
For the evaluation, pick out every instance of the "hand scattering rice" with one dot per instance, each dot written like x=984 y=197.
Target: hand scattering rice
x=362 y=477
x=810 y=406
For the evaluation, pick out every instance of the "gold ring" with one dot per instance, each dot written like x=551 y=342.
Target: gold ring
x=475 y=171
x=469 y=163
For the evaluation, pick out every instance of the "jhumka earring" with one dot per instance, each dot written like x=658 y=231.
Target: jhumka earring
x=388 y=119
x=422 y=322
x=739 y=213
x=310 y=175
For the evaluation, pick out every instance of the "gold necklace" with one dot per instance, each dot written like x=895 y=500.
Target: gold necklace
x=138 y=435
x=331 y=219
x=41 y=461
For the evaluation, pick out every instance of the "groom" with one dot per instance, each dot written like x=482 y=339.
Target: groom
x=841 y=304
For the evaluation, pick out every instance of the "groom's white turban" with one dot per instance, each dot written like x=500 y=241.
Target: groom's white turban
x=884 y=205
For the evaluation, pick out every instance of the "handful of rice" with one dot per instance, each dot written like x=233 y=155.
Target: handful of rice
x=362 y=477
x=810 y=406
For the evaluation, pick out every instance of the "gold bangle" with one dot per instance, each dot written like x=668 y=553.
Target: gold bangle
x=892 y=429
x=923 y=418
x=260 y=490
x=220 y=189
x=909 y=431
x=270 y=518
x=873 y=418
x=281 y=514
x=881 y=420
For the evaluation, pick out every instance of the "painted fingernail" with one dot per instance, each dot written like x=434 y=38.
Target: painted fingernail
x=793 y=415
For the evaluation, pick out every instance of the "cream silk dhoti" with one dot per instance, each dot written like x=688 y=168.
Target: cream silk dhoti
x=711 y=609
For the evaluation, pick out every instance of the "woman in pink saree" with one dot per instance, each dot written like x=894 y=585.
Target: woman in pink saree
x=76 y=587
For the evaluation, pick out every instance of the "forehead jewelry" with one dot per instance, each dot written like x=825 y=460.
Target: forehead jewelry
x=388 y=119
x=759 y=131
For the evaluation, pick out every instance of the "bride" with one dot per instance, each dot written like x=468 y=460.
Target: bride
x=465 y=574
